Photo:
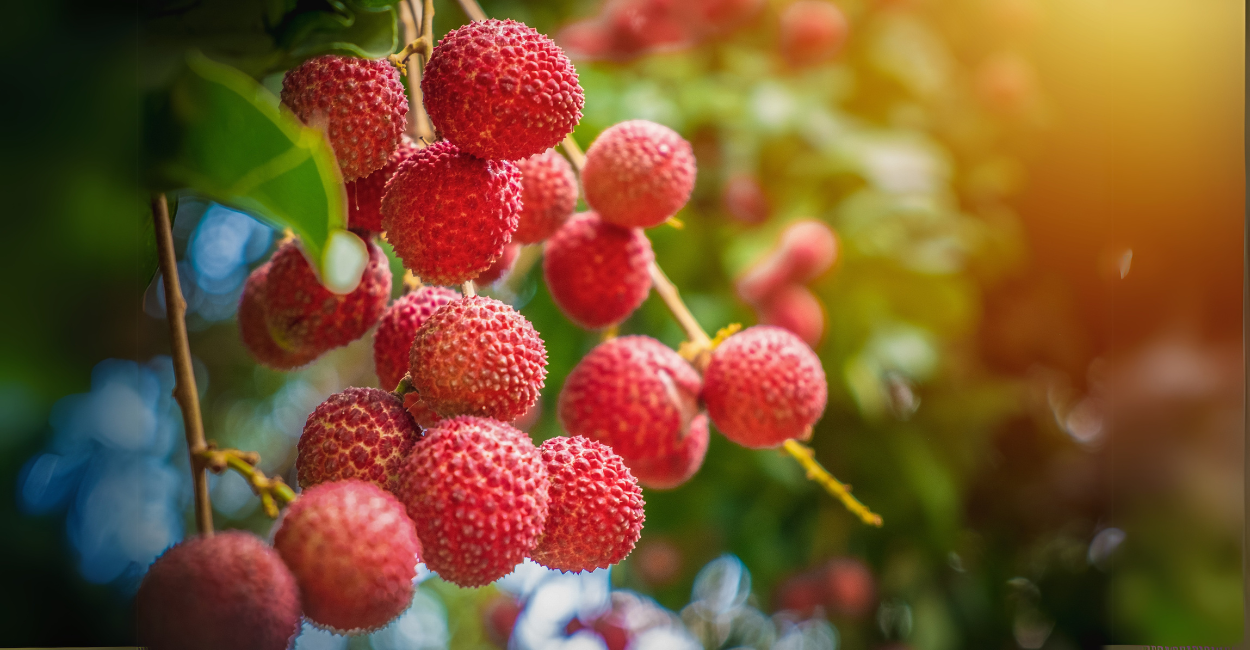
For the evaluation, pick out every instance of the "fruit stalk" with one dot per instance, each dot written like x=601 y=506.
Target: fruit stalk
x=273 y=492
x=472 y=9
x=672 y=299
x=415 y=26
x=815 y=472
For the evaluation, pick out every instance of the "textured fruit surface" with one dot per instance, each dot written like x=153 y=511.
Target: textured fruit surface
x=500 y=90
x=500 y=266
x=594 y=510
x=796 y=309
x=548 y=196
x=360 y=103
x=804 y=252
x=744 y=199
x=303 y=314
x=353 y=551
x=763 y=386
x=230 y=590
x=680 y=462
x=598 y=274
x=392 y=341
x=476 y=489
x=478 y=356
x=421 y=414
x=360 y=433
x=638 y=174
x=449 y=214
x=255 y=333
x=812 y=31
x=364 y=195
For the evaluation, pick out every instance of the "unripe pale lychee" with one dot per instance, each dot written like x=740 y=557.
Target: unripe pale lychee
x=638 y=174
x=594 y=510
x=477 y=491
x=548 y=196
x=797 y=309
x=360 y=433
x=392 y=341
x=812 y=31
x=360 y=103
x=500 y=266
x=805 y=251
x=364 y=195
x=230 y=590
x=500 y=90
x=449 y=214
x=598 y=274
x=478 y=356
x=255 y=333
x=763 y=386
x=353 y=551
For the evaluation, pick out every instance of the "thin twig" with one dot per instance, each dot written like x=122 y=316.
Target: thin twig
x=574 y=153
x=472 y=9
x=411 y=281
x=840 y=490
x=273 y=492
x=672 y=299
x=468 y=289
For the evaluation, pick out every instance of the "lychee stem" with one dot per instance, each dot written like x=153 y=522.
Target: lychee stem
x=574 y=153
x=273 y=492
x=419 y=126
x=672 y=299
x=468 y=289
x=472 y=9
x=841 y=491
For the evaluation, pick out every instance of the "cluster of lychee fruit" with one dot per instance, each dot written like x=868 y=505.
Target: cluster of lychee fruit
x=624 y=29
x=776 y=286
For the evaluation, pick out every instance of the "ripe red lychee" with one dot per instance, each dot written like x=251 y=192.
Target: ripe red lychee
x=353 y=551
x=763 y=386
x=361 y=433
x=360 y=103
x=478 y=356
x=477 y=490
x=594 y=509
x=500 y=266
x=499 y=618
x=255 y=333
x=230 y=590
x=848 y=586
x=801 y=593
x=796 y=309
x=449 y=214
x=421 y=414
x=598 y=274
x=805 y=251
x=744 y=199
x=638 y=174
x=639 y=397
x=500 y=90
x=719 y=16
x=302 y=314
x=364 y=195
x=548 y=196
x=812 y=31
x=392 y=341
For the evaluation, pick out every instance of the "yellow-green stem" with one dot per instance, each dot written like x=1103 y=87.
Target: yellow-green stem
x=841 y=491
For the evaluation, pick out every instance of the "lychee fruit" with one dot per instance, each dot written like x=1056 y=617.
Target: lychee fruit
x=353 y=551
x=597 y=273
x=230 y=590
x=421 y=414
x=359 y=103
x=1005 y=82
x=744 y=199
x=848 y=586
x=477 y=490
x=548 y=196
x=719 y=16
x=642 y=26
x=361 y=433
x=638 y=174
x=594 y=508
x=500 y=90
x=392 y=340
x=812 y=32
x=797 y=309
x=255 y=333
x=364 y=195
x=500 y=266
x=478 y=356
x=499 y=617
x=449 y=214
x=805 y=251
x=763 y=386
x=682 y=461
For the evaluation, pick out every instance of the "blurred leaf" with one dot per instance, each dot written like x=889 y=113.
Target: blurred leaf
x=367 y=29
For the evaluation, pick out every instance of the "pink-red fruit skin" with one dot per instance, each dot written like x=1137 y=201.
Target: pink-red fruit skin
x=360 y=103
x=812 y=31
x=500 y=266
x=804 y=252
x=392 y=341
x=230 y=590
x=548 y=196
x=638 y=174
x=476 y=489
x=678 y=465
x=597 y=273
x=255 y=333
x=353 y=551
x=763 y=386
x=359 y=433
x=595 y=507
x=364 y=195
x=797 y=309
x=449 y=214
x=500 y=90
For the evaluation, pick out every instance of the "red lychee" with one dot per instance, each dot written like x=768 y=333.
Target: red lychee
x=848 y=587
x=255 y=333
x=680 y=463
x=500 y=266
x=642 y=26
x=805 y=251
x=448 y=214
x=548 y=196
x=594 y=508
x=744 y=199
x=719 y=16
x=598 y=274
x=801 y=593
x=364 y=195
x=360 y=103
x=230 y=590
x=353 y=551
x=499 y=618
x=763 y=386
x=361 y=433
x=797 y=309
x=421 y=414
x=477 y=490
x=812 y=31
x=500 y=90
x=638 y=174
x=392 y=341
x=478 y=356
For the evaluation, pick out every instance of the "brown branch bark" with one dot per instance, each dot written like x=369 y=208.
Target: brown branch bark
x=472 y=9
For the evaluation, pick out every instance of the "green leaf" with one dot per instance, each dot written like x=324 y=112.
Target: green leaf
x=350 y=28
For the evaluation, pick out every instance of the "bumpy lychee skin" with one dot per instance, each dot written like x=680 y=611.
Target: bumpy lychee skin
x=797 y=309
x=500 y=90
x=595 y=507
x=763 y=386
x=478 y=356
x=360 y=433
x=421 y=414
x=548 y=196
x=364 y=195
x=449 y=214
x=637 y=396
x=812 y=31
x=255 y=333
x=302 y=314
x=681 y=462
x=638 y=174
x=230 y=590
x=360 y=103
x=392 y=341
x=353 y=551
x=477 y=490
x=598 y=274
